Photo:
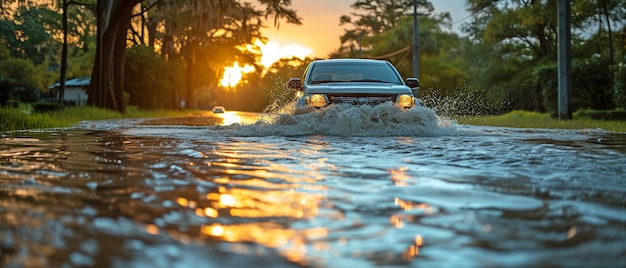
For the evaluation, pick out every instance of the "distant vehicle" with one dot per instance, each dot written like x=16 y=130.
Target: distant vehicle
x=219 y=109
x=354 y=81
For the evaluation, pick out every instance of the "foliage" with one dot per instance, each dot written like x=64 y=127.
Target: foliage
x=21 y=79
x=194 y=39
x=504 y=62
x=23 y=73
x=26 y=33
x=80 y=63
x=5 y=90
x=384 y=30
x=153 y=87
x=522 y=35
x=30 y=46
x=617 y=114
x=46 y=107
x=183 y=32
x=81 y=38
x=4 y=50
x=280 y=10
x=372 y=17
x=620 y=86
x=591 y=85
x=515 y=40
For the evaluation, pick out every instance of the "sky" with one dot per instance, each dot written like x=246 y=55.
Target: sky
x=320 y=30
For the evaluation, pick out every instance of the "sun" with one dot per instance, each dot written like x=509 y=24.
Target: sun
x=233 y=74
x=271 y=52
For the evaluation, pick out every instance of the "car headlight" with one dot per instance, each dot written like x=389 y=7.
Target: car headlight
x=405 y=101
x=317 y=101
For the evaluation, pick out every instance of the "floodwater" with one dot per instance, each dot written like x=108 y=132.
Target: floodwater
x=340 y=187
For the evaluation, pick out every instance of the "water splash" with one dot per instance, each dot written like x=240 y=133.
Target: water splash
x=347 y=120
x=464 y=101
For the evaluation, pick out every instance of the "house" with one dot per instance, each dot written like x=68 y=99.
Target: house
x=75 y=90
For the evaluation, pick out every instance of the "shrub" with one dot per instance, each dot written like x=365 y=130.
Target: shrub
x=45 y=107
x=590 y=88
x=603 y=114
x=620 y=86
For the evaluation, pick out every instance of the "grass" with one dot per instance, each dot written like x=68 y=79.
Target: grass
x=14 y=119
x=523 y=119
x=21 y=119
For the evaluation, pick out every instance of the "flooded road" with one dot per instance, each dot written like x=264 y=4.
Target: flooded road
x=341 y=187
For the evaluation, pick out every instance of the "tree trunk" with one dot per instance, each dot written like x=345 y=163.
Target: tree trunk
x=190 y=96
x=107 y=77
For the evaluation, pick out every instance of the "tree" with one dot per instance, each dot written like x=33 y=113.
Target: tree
x=151 y=88
x=440 y=51
x=21 y=77
x=26 y=32
x=372 y=17
x=515 y=38
x=195 y=31
x=31 y=30
x=523 y=32
x=591 y=85
x=107 y=86
x=26 y=49
x=192 y=30
x=384 y=30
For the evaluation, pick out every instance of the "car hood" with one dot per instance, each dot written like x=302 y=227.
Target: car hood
x=349 y=88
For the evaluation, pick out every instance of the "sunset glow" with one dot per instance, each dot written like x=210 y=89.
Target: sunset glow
x=270 y=53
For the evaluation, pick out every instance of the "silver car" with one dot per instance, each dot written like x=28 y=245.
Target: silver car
x=354 y=81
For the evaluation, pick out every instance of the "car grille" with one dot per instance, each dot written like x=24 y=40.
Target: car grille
x=358 y=100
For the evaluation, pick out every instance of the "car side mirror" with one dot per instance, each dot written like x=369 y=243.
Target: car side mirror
x=295 y=83
x=414 y=84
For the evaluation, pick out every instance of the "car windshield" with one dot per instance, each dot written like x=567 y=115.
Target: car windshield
x=350 y=72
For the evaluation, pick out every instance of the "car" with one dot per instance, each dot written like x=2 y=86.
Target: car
x=219 y=109
x=354 y=81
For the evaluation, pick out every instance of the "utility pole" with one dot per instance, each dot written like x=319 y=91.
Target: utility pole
x=415 y=42
x=565 y=60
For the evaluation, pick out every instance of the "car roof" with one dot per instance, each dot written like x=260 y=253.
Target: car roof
x=350 y=60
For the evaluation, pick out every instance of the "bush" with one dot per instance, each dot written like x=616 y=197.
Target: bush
x=620 y=87
x=603 y=114
x=590 y=88
x=11 y=104
x=45 y=107
x=154 y=87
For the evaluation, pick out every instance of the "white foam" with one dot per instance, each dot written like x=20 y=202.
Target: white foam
x=346 y=120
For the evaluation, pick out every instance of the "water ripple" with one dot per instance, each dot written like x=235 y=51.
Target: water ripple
x=291 y=193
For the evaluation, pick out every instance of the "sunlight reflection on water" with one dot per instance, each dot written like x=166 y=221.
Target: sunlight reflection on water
x=135 y=194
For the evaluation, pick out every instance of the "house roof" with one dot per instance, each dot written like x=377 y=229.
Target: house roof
x=76 y=82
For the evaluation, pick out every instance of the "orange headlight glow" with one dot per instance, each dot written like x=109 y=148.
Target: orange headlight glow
x=317 y=101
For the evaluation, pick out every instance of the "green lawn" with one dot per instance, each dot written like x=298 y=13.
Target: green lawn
x=21 y=119
x=523 y=119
